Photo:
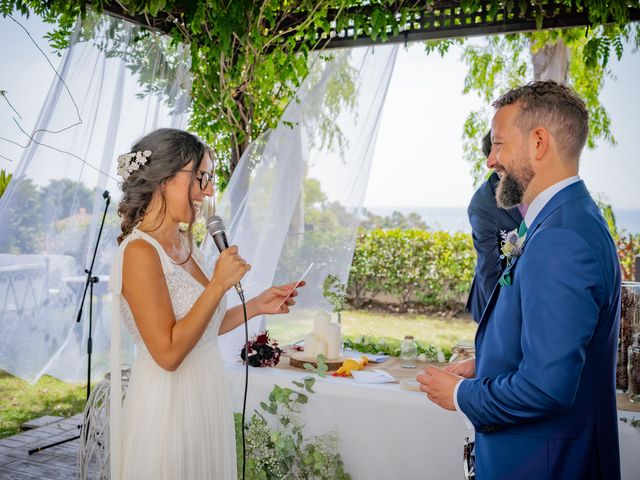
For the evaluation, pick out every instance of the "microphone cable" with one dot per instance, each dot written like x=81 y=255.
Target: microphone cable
x=246 y=382
x=215 y=227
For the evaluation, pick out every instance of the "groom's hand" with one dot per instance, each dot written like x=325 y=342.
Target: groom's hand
x=464 y=368
x=439 y=385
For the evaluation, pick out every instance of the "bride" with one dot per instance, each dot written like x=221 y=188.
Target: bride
x=177 y=421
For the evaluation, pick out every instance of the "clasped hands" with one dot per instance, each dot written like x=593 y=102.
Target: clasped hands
x=439 y=383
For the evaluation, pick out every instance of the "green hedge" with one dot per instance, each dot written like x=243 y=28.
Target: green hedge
x=412 y=266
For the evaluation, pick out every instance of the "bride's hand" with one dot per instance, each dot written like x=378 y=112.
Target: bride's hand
x=230 y=268
x=277 y=299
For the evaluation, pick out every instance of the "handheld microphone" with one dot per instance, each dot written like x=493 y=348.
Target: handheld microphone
x=215 y=227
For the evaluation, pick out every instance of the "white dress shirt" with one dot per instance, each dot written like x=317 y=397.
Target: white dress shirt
x=543 y=198
x=535 y=207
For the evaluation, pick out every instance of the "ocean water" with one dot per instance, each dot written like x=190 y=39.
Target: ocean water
x=455 y=218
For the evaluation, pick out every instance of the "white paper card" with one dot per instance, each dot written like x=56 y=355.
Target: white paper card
x=373 y=376
x=297 y=283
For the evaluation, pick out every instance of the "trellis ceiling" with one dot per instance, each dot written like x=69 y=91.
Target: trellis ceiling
x=438 y=20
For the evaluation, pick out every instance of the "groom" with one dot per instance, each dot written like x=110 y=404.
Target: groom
x=541 y=391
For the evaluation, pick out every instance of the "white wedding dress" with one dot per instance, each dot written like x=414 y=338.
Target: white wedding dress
x=174 y=425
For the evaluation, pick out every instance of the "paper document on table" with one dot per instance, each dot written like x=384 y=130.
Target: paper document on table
x=297 y=283
x=373 y=376
x=373 y=358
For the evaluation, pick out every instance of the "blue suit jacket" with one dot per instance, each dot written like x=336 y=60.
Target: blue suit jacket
x=543 y=401
x=487 y=221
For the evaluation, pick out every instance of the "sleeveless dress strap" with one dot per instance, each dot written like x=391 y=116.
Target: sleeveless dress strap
x=115 y=403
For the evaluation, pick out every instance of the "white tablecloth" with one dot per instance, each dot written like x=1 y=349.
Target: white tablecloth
x=386 y=432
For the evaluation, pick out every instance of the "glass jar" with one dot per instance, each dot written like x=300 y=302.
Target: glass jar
x=629 y=325
x=633 y=369
x=409 y=351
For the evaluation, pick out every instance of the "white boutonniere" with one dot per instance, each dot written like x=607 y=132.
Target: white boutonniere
x=511 y=248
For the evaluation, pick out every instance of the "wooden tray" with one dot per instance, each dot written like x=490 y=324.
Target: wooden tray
x=298 y=359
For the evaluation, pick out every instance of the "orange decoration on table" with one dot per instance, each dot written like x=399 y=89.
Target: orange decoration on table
x=351 y=364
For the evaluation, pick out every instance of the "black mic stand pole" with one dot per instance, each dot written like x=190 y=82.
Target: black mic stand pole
x=91 y=280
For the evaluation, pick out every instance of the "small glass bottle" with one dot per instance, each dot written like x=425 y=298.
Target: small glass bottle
x=409 y=351
x=633 y=369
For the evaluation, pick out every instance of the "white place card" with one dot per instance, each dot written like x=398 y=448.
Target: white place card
x=373 y=376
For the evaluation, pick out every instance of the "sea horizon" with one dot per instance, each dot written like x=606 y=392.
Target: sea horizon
x=455 y=218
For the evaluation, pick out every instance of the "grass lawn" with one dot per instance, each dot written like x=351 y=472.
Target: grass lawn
x=21 y=402
x=436 y=330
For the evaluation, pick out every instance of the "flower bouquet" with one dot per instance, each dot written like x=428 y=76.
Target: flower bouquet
x=263 y=351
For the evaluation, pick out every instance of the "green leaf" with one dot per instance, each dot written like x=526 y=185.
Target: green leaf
x=308 y=383
x=539 y=16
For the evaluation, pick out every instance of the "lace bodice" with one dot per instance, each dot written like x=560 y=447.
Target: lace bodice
x=184 y=290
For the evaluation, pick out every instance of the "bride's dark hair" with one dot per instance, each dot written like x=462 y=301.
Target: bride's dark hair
x=171 y=150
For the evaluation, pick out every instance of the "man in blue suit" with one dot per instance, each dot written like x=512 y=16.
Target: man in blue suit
x=487 y=221
x=541 y=391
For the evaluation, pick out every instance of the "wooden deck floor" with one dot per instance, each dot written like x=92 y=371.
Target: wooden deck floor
x=57 y=462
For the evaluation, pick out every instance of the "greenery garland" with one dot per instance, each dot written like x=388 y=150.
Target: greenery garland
x=391 y=346
x=276 y=447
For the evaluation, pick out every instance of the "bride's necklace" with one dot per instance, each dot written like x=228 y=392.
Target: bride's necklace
x=177 y=246
x=183 y=253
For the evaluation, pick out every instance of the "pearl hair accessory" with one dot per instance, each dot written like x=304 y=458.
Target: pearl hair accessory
x=130 y=162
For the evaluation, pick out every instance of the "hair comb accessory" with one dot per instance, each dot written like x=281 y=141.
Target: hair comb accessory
x=130 y=162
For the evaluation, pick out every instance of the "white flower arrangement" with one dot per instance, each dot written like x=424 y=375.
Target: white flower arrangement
x=130 y=162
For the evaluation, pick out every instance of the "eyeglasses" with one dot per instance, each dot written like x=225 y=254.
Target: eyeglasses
x=205 y=178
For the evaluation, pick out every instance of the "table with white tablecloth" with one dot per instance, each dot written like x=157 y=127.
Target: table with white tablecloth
x=387 y=432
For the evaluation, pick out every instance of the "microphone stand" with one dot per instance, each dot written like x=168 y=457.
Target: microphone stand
x=91 y=280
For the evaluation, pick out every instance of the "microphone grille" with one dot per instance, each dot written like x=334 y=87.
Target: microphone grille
x=214 y=224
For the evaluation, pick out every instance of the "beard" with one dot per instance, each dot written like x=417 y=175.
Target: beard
x=512 y=186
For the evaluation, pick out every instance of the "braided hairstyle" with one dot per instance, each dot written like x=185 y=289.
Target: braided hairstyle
x=171 y=150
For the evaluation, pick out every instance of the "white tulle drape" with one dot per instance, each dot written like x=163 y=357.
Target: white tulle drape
x=294 y=199
x=52 y=208
x=297 y=193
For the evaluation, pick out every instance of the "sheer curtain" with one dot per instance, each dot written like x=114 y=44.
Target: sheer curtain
x=296 y=196
x=52 y=209
x=294 y=199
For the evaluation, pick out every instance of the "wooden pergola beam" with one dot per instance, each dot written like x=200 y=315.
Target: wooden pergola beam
x=440 y=20
x=436 y=25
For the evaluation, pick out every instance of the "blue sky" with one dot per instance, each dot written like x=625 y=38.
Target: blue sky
x=418 y=159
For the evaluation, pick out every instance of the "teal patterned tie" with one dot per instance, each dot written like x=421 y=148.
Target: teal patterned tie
x=522 y=230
